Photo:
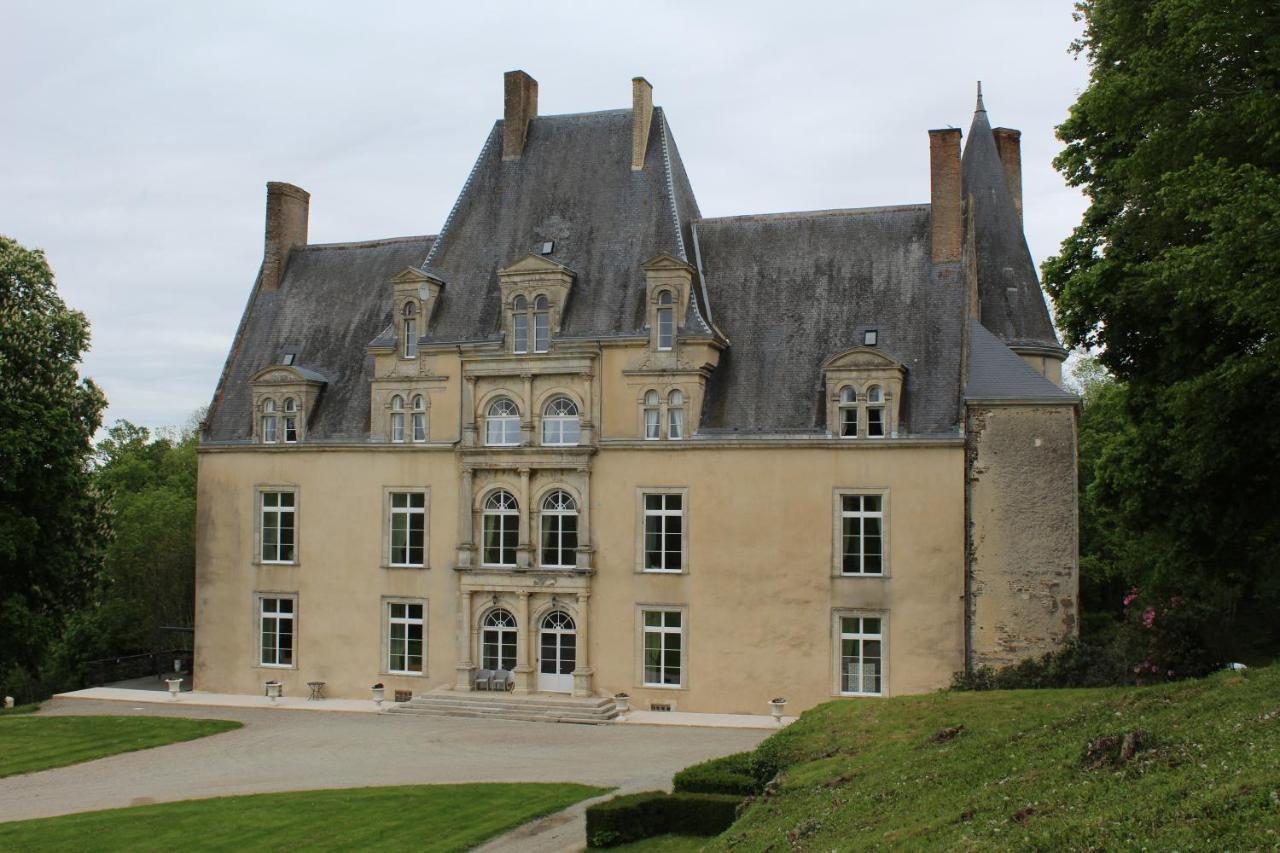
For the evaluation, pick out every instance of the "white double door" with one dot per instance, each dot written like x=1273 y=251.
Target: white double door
x=557 y=652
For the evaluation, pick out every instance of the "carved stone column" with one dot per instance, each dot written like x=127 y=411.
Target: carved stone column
x=466 y=520
x=526 y=636
x=526 y=420
x=588 y=409
x=582 y=673
x=524 y=550
x=583 y=558
x=469 y=412
x=465 y=666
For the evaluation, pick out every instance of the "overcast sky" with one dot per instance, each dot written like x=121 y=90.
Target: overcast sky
x=137 y=137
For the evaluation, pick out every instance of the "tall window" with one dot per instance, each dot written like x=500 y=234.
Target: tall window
x=559 y=530
x=652 y=416
x=498 y=641
x=561 y=423
x=501 y=529
x=875 y=412
x=397 y=418
x=290 y=420
x=861 y=656
x=408 y=528
x=502 y=424
x=419 y=418
x=848 y=412
x=520 y=325
x=663 y=648
x=675 y=414
x=663 y=532
x=277 y=527
x=541 y=324
x=666 y=320
x=269 y=421
x=404 y=637
x=861 y=536
x=275 y=624
x=410 y=327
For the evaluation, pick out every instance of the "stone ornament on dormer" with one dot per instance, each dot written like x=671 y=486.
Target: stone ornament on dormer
x=284 y=398
x=667 y=284
x=864 y=393
x=535 y=291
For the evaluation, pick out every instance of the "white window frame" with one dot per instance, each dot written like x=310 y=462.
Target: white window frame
x=558 y=514
x=876 y=406
x=839 y=635
x=419 y=404
x=260 y=616
x=504 y=516
x=291 y=421
x=390 y=621
x=663 y=631
x=665 y=319
x=675 y=415
x=409 y=325
x=270 y=422
x=541 y=324
x=397 y=419
x=651 y=415
x=261 y=509
x=847 y=409
x=520 y=325
x=503 y=422
x=644 y=513
x=839 y=516
x=557 y=425
x=390 y=512
x=501 y=631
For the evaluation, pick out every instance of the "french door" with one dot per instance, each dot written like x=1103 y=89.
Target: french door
x=557 y=652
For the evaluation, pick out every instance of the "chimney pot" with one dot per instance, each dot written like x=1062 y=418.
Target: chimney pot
x=945 y=217
x=1009 y=147
x=288 y=208
x=519 y=105
x=641 y=116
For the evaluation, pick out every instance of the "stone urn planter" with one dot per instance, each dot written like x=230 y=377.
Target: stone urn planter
x=379 y=694
x=175 y=684
x=776 y=707
x=623 y=701
x=274 y=689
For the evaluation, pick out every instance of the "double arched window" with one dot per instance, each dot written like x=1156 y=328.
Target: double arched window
x=268 y=421
x=498 y=641
x=409 y=325
x=502 y=424
x=290 y=420
x=501 y=529
x=520 y=323
x=397 y=418
x=559 y=530
x=666 y=320
x=653 y=414
x=561 y=423
x=873 y=400
x=419 y=418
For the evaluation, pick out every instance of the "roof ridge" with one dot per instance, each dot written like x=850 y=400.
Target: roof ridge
x=814 y=214
x=462 y=193
x=380 y=241
x=670 y=182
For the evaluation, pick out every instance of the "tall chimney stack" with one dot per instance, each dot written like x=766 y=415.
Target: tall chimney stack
x=519 y=105
x=287 y=211
x=944 y=195
x=1009 y=147
x=641 y=116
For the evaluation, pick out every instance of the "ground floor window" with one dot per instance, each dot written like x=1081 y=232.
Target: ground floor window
x=405 y=637
x=663 y=648
x=498 y=641
x=861 y=655
x=276 y=627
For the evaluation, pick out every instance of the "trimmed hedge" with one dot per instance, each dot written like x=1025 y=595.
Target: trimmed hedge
x=732 y=774
x=633 y=817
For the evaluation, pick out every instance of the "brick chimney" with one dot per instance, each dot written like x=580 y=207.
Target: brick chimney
x=519 y=104
x=641 y=116
x=287 y=210
x=1009 y=147
x=944 y=195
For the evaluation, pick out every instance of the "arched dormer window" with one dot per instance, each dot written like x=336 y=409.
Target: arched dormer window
x=502 y=424
x=666 y=320
x=268 y=421
x=675 y=414
x=419 y=418
x=501 y=529
x=559 y=530
x=409 y=326
x=290 y=420
x=561 y=423
x=875 y=412
x=397 y=419
x=652 y=416
x=848 y=412
x=520 y=325
x=541 y=324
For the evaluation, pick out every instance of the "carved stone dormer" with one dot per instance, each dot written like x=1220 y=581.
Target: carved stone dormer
x=284 y=397
x=535 y=291
x=864 y=393
x=667 y=283
x=413 y=298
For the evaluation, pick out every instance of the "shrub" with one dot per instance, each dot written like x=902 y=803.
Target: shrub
x=732 y=774
x=633 y=817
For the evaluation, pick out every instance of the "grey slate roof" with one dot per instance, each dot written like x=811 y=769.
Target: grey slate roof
x=791 y=290
x=996 y=373
x=1013 y=306
x=331 y=301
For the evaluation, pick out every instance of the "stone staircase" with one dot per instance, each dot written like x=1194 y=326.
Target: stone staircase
x=533 y=707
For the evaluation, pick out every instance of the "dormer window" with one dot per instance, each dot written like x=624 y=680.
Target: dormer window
x=848 y=412
x=666 y=320
x=864 y=392
x=520 y=325
x=409 y=326
x=397 y=419
x=541 y=324
x=875 y=412
x=502 y=424
x=268 y=421
x=652 y=416
x=419 y=418
x=675 y=415
x=290 y=421
x=561 y=423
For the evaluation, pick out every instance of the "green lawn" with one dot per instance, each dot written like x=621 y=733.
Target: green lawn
x=867 y=773
x=410 y=817
x=29 y=743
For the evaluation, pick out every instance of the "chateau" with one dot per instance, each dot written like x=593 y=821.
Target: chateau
x=586 y=436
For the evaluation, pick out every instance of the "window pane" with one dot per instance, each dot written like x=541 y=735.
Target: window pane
x=675 y=429
x=666 y=327
x=651 y=423
x=541 y=331
x=652 y=619
x=871 y=625
x=521 y=332
x=673 y=618
x=871 y=503
x=419 y=427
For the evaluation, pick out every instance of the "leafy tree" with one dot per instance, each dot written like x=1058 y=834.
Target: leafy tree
x=49 y=523
x=1174 y=277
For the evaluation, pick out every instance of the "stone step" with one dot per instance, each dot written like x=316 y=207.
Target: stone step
x=497 y=701
x=499 y=706
x=506 y=715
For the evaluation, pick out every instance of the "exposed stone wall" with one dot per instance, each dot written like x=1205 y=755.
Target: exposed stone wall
x=1023 y=582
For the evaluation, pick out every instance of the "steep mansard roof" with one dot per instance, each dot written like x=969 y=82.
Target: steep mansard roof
x=996 y=374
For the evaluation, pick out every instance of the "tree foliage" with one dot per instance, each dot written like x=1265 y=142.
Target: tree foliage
x=1173 y=276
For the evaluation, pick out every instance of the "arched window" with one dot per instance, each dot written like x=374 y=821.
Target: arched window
x=652 y=416
x=559 y=530
x=848 y=412
x=666 y=320
x=410 y=327
x=290 y=420
x=541 y=324
x=675 y=414
x=419 y=418
x=875 y=412
x=502 y=424
x=520 y=325
x=501 y=529
x=397 y=418
x=268 y=421
x=561 y=424
x=498 y=641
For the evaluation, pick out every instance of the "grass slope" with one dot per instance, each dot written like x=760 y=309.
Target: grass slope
x=436 y=818
x=28 y=743
x=863 y=774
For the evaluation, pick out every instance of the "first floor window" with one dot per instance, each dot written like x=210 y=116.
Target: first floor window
x=498 y=641
x=663 y=532
x=277 y=527
x=404 y=637
x=501 y=529
x=861 y=656
x=275 y=620
x=663 y=647
x=861 y=537
x=408 y=528
x=559 y=530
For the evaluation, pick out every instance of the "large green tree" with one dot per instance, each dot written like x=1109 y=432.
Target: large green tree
x=49 y=523
x=1173 y=276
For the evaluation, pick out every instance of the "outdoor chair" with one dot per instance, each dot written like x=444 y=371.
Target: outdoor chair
x=501 y=680
x=483 y=680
